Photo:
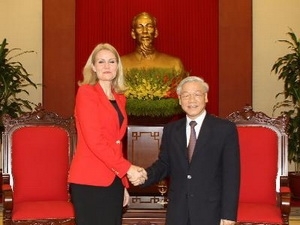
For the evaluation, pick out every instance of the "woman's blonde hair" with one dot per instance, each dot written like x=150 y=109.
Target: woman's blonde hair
x=90 y=77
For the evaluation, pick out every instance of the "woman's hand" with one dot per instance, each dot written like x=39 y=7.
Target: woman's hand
x=126 y=197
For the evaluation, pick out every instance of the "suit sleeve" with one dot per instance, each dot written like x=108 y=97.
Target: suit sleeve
x=159 y=169
x=231 y=175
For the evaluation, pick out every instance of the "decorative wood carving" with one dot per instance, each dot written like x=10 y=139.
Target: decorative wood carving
x=143 y=144
x=247 y=115
x=39 y=116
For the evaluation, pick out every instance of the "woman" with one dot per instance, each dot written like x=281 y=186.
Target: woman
x=98 y=171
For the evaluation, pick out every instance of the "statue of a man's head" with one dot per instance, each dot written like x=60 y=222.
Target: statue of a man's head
x=144 y=29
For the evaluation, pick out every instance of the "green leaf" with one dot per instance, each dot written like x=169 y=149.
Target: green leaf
x=14 y=78
x=287 y=68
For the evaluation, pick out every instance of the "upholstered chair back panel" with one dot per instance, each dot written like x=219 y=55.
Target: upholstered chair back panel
x=37 y=177
x=259 y=155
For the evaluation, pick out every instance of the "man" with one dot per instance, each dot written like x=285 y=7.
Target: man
x=204 y=189
x=144 y=31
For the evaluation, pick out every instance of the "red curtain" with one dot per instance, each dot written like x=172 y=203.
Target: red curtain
x=187 y=29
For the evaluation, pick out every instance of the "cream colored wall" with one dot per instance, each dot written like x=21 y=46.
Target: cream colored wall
x=271 y=21
x=21 y=25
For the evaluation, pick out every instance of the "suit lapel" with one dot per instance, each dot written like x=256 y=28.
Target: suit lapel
x=111 y=109
x=180 y=137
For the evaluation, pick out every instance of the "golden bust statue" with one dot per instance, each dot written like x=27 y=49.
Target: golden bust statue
x=144 y=31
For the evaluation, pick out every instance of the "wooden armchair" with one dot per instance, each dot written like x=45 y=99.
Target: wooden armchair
x=264 y=192
x=37 y=150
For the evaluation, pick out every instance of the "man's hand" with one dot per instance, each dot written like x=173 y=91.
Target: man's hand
x=137 y=175
x=227 y=222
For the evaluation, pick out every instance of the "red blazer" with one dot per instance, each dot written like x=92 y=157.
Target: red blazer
x=99 y=156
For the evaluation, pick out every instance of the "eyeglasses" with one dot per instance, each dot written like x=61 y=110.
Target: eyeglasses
x=197 y=95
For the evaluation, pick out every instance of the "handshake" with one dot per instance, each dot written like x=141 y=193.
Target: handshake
x=137 y=175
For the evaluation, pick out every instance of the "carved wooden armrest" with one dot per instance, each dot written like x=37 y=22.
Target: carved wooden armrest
x=285 y=199
x=7 y=194
x=284 y=181
x=7 y=197
x=5 y=178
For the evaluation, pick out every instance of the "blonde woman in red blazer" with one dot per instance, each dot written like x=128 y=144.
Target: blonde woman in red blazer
x=98 y=171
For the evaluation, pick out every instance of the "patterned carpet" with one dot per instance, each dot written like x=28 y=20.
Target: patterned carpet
x=294 y=218
x=1 y=218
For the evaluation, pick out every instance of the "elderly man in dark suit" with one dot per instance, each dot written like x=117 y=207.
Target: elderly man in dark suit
x=204 y=179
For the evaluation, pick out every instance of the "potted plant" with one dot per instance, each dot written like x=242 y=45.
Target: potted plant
x=151 y=93
x=287 y=68
x=14 y=79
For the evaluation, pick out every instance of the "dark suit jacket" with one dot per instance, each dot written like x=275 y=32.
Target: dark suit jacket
x=207 y=189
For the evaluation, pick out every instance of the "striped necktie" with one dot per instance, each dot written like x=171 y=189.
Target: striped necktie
x=192 y=141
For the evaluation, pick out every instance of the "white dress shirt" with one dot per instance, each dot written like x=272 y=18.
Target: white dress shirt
x=199 y=121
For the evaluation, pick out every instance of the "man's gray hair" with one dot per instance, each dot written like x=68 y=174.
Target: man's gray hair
x=192 y=79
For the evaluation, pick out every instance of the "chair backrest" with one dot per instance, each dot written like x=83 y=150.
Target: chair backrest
x=37 y=151
x=263 y=153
